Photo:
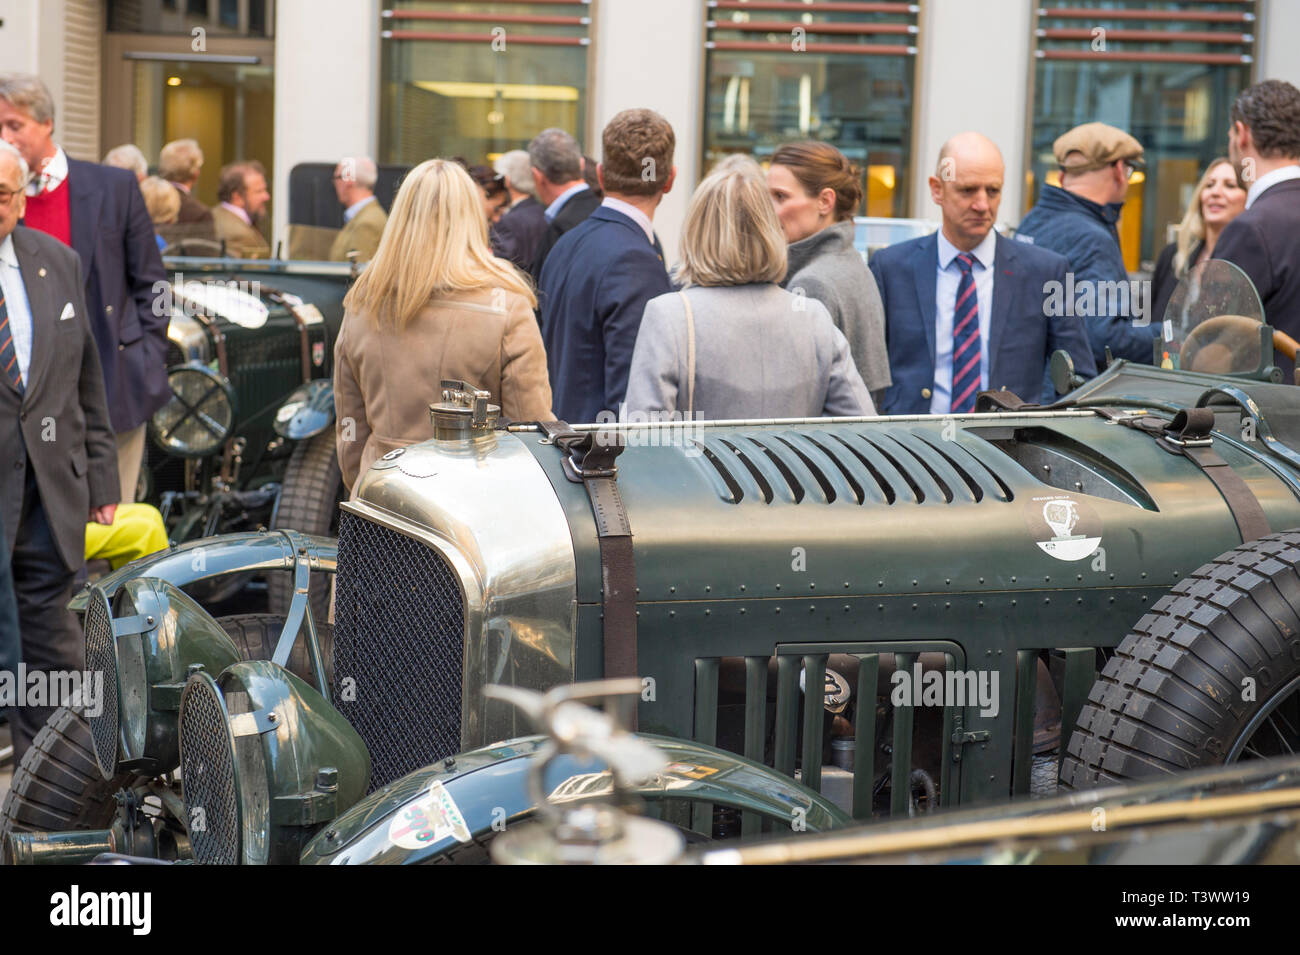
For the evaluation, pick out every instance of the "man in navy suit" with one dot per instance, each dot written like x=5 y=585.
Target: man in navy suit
x=1264 y=241
x=557 y=168
x=100 y=213
x=967 y=310
x=598 y=278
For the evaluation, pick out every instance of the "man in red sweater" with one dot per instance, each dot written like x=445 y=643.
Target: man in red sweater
x=100 y=213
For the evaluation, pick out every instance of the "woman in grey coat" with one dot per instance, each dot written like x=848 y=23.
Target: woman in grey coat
x=816 y=190
x=733 y=343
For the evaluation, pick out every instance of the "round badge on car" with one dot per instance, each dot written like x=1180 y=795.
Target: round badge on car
x=200 y=415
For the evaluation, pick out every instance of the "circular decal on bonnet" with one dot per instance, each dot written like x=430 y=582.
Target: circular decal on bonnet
x=1062 y=526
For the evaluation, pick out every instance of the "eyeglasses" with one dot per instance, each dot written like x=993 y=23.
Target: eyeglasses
x=6 y=196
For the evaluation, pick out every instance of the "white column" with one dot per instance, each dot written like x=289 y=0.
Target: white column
x=650 y=56
x=326 y=88
x=1276 y=42
x=31 y=41
x=974 y=75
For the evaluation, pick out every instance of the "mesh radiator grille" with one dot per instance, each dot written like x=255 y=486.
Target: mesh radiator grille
x=208 y=777
x=101 y=657
x=399 y=633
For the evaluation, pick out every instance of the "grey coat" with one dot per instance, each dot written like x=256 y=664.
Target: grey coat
x=828 y=268
x=59 y=426
x=760 y=352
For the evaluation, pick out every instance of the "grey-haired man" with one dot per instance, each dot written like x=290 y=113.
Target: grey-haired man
x=56 y=443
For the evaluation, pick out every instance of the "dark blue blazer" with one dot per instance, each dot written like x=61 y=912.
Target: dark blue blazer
x=593 y=290
x=1264 y=242
x=114 y=237
x=1021 y=336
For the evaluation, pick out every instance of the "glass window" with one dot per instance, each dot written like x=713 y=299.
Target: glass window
x=470 y=80
x=171 y=17
x=1169 y=83
x=847 y=79
x=227 y=107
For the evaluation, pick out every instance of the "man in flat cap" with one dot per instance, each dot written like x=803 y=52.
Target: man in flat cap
x=1077 y=219
x=1264 y=241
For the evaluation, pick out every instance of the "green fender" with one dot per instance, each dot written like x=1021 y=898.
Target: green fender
x=489 y=788
x=223 y=554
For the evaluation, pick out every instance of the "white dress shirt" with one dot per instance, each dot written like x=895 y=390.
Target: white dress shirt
x=1270 y=179
x=554 y=208
x=633 y=213
x=20 y=313
x=55 y=171
x=945 y=300
x=351 y=211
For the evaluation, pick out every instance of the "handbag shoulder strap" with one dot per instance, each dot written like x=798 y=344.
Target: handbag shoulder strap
x=690 y=353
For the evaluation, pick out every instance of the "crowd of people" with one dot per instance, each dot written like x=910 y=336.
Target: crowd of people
x=541 y=279
x=770 y=311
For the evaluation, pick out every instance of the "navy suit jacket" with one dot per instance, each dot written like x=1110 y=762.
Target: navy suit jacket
x=593 y=291
x=1021 y=335
x=1264 y=242
x=114 y=237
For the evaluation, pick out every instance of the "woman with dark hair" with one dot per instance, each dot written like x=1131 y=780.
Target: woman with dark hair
x=492 y=189
x=816 y=191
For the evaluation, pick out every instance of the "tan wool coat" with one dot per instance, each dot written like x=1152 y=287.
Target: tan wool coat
x=385 y=378
x=242 y=240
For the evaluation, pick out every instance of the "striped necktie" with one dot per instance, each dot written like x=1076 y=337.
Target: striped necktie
x=8 y=353
x=965 y=340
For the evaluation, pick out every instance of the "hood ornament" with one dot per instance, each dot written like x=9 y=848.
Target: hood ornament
x=597 y=831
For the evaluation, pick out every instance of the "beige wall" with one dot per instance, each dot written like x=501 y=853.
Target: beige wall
x=1280 y=20
x=31 y=41
x=654 y=61
x=326 y=83
x=990 y=98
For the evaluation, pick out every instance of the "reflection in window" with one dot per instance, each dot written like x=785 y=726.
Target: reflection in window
x=227 y=107
x=172 y=17
x=455 y=84
x=1168 y=82
x=844 y=78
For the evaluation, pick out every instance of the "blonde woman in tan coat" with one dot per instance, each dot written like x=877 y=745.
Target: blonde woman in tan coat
x=433 y=304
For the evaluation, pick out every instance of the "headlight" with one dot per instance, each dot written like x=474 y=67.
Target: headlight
x=200 y=415
x=307 y=411
x=265 y=762
x=143 y=644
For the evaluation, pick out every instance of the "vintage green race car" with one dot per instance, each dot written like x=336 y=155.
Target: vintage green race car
x=1108 y=584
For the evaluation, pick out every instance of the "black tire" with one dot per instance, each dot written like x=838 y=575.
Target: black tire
x=58 y=786
x=1173 y=697
x=309 y=502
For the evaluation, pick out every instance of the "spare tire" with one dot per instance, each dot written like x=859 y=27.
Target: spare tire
x=1210 y=675
x=58 y=786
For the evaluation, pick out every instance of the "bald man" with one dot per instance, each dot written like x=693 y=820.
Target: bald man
x=966 y=310
x=363 y=217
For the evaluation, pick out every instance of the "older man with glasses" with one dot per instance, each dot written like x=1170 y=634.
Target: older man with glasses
x=1077 y=219
x=100 y=212
x=58 y=456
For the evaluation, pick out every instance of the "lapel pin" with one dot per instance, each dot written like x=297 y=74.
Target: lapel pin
x=41 y=273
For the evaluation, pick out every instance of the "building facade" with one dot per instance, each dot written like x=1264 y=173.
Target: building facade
x=306 y=81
